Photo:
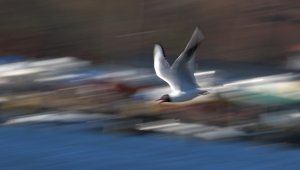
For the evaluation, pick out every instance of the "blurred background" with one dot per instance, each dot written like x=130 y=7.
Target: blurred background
x=78 y=87
x=263 y=31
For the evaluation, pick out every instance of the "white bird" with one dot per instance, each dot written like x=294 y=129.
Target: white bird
x=179 y=76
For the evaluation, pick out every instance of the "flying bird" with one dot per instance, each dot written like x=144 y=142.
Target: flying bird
x=179 y=76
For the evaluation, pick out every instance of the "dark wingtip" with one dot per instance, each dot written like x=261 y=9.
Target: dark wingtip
x=157 y=44
x=191 y=50
x=194 y=41
x=199 y=34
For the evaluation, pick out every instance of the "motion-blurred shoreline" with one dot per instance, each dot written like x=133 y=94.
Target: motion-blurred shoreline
x=243 y=101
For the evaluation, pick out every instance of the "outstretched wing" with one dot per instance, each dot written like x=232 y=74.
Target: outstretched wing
x=183 y=66
x=162 y=67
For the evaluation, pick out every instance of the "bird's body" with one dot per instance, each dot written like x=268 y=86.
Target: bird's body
x=179 y=76
x=180 y=96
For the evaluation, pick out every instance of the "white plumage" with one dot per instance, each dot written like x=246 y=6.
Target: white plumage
x=179 y=76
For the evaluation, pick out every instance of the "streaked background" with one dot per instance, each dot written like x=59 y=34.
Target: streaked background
x=263 y=31
x=78 y=88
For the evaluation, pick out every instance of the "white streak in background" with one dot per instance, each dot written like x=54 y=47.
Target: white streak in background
x=255 y=80
x=221 y=133
x=55 y=117
x=117 y=74
x=21 y=72
x=4 y=99
x=278 y=77
x=182 y=126
x=58 y=63
x=151 y=127
x=196 y=130
x=295 y=115
x=33 y=67
x=13 y=66
x=62 y=77
x=135 y=34
x=202 y=73
x=63 y=60
x=67 y=66
x=157 y=124
x=127 y=75
x=139 y=77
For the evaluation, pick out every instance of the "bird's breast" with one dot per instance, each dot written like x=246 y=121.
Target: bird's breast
x=180 y=96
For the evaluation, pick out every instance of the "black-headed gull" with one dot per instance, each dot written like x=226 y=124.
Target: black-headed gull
x=179 y=76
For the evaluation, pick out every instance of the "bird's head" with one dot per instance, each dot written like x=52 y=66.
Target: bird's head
x=164 y=98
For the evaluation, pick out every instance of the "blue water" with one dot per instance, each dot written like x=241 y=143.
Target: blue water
x=67 y=147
